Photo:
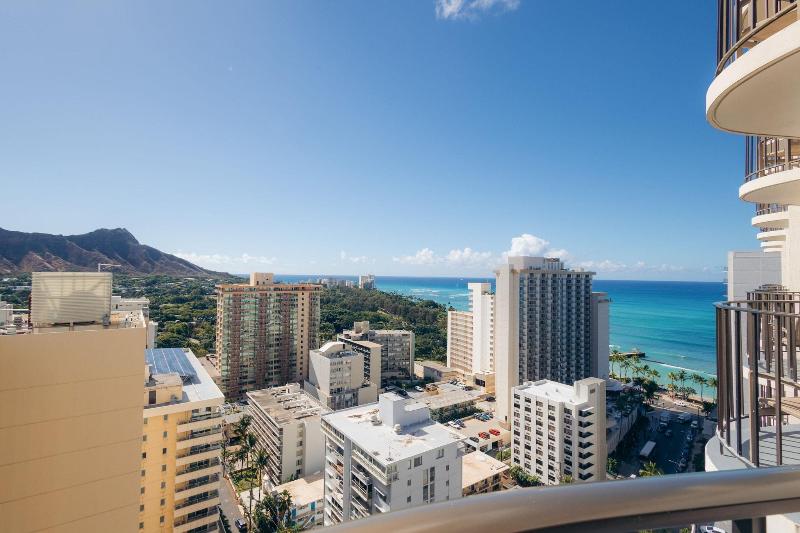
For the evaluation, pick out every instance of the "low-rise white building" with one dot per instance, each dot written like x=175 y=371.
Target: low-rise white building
x=337 y=377
x=388 y=456
x=308 y=497
x=560 y=430
x=286 y=421
x=481 y=474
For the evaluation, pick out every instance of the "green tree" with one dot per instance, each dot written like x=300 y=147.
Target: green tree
x=273 y=514
x=682 y=377
x=701 y=381
x=650 y=469
x=672 y=377
x=611 y=466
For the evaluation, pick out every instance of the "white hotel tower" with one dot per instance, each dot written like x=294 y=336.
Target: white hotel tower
x=756 y=93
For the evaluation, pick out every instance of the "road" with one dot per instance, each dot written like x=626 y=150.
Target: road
x=228 y=503
x=667 y=453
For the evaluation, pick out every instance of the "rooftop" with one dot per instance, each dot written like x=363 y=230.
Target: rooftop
x=305 y=490
x=477 y=466
x=448 y=395
x=117 y=320
x=168 y=365
x=386 y=443
x=286 y=403
x=435 y=365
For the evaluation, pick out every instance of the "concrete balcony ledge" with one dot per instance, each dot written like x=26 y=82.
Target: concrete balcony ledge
x=771 y=220
x=772 y=235
x=778 y=187
x=757 y=94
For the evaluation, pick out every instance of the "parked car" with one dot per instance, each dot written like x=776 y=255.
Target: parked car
x=419 y=389
x=668 y=433
x=474 y=439
x=495 y=432
x=710 y=529
x=695 y=424
x=483 y=435
x=490 y=398
x=241 y=525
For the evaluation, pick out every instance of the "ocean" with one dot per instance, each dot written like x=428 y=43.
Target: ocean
x=672 y=322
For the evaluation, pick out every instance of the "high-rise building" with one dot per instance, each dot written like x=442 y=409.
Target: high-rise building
x=600 y=335
x=560 y=430
x=71 y=422
x=181 y=444
x=264 y=333
x=338 y=378
x=397 y=349
x=387 y=456
x=286 y=422
x=366 y=281
x=755 y=93
x=470 y=334
x=543 y=325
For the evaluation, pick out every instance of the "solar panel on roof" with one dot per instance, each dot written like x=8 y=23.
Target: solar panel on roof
x=169 y=360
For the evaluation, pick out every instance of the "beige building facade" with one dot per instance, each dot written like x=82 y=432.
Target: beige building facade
x=71 y=420
x=181 y=444
x=264 y=332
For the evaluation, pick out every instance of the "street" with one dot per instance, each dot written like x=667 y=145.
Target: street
x=228 y=503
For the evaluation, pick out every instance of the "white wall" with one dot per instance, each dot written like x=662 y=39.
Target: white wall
x=600 y=351
x=749 y=270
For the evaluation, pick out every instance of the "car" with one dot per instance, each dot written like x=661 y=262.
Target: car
x=241 y=525
x=695 y=425
x=483 y=435
x=419 y=389
x=661 y=427
x=490 y=398
x=689 y=437
x=668 y=433
x=494 y=432
x=710 y=529
x=474 y=439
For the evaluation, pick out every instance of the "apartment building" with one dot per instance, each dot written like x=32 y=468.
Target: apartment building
x=470 y=334
x=755 y=93
x=338 y=377
x=387 y=456
x=560 y=430
x=543 y=326
x=481 y=474
x=71 y=421
x=286 y=421
x=180 y=444
x=264 y=332
x=397 y=349
x=6 y=313
x=366 y=281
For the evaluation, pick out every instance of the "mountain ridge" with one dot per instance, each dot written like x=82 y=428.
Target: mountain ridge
x=44 y=252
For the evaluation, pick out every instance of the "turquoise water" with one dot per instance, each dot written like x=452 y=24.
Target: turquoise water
x=672 y=322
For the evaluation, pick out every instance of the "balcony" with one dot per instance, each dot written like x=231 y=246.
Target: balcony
x=772 y=178
x=758 y=68
x=197 y=486
x=198 y=471
x=744 y=496
x=200 y=438
x=772 y=235
x=190 y=522
x=194 y=504
x=771 y=216
x=758 y=344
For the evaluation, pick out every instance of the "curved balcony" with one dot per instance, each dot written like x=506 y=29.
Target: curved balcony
x=772 y=177
x=771 y=235
x=772 y=246
x=758 y=344
x=758 y=68
x=771 y=216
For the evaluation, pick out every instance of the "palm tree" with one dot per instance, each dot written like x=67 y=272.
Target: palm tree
x=712 y=383
x=243 y=425
x=672 y=377
x=273 y=513
x=615 y=357
x=650 y=469
x=700 y=380
x=624 y=366
x=682 y=377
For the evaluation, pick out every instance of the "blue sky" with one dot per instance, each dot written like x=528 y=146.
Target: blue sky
x=401 y=138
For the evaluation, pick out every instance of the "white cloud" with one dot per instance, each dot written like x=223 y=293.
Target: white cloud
x=217 y=260
x=469 y=257
x=608 y=265
x=531 y=245
x=344 y=256
x=472 y=9
x=422 y=257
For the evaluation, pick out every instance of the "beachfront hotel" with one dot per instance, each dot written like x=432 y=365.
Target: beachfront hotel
x=543 y=326
x=388 y=456
x=559 y=431
x=755 y=93
x=265 y=331
x=470 y=334
x=71 y=422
